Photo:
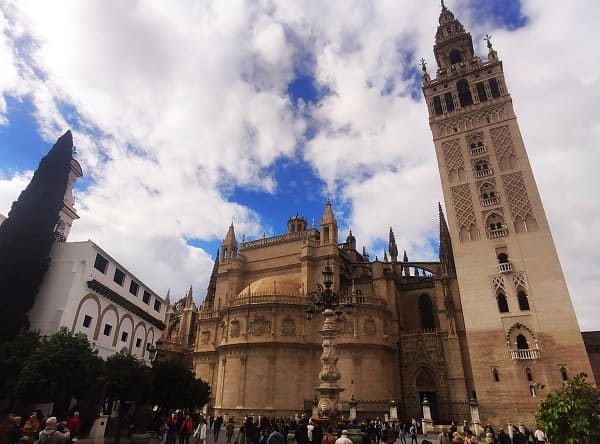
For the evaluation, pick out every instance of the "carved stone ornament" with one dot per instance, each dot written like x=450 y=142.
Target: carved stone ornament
x=288 y=327
x=370 y=327
x=205 y=337
x=259 y=326
x=234 y=329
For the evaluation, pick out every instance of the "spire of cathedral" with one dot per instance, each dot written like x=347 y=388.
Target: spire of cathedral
x=230 y=245
x=189 y=299
x=385 y=258
x=453 y=44
x=393 y=247
x=329 y=228
x=405 y=258
x=209 y=301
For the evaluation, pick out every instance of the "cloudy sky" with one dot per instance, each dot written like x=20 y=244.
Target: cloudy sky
x=188 y=115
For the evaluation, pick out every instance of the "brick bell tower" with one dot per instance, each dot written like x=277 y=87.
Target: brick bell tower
x=522 y=333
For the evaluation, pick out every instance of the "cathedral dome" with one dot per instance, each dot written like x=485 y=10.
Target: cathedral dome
x=272 y=285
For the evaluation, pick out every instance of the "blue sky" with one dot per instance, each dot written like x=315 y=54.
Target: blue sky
x=192 y=118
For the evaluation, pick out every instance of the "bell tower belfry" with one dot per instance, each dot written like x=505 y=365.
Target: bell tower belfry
x=522 y=333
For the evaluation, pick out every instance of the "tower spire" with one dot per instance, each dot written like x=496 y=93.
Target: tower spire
x=445 y=251
x=209 y=301
x=392 y=247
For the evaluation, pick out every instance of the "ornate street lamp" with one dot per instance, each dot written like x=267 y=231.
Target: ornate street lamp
x=332 y=306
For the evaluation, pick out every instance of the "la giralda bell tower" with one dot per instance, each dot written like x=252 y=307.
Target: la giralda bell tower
x=522 y=333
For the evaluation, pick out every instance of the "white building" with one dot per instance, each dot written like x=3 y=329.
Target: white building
x=87 y=291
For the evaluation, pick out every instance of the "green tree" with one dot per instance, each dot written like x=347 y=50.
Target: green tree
x=174 y=386
x=127 y=377
x=572 y=414
x=13 y=355
x=27 y=235
x=62 y=367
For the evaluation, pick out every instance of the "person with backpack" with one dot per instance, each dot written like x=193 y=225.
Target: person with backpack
x=52 y=435
x=413 y=433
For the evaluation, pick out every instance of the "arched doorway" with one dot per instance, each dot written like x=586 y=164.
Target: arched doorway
x=427 y=386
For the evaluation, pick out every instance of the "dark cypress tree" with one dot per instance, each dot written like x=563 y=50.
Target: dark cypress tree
x=26 y=237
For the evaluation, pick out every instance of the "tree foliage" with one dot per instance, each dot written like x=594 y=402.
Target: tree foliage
x=27 y=235
x=175 y=386
x=572 y=415
x=14 y=353
x=127 y=377
x=62 y=367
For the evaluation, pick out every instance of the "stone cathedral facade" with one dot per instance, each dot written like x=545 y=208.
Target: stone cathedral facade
x=491 y=321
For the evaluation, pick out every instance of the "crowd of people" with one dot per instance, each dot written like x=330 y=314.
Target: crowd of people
x=38 y=429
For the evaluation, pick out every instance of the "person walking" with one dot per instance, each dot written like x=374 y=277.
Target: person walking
x=443 y=437
x=217 y=427
x=229 y=428
x=73 y=424
x=540 y=436
x=413 y=433
x=200 y=432
x=185 y=430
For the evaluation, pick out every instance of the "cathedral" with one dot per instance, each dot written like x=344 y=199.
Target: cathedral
x=490 y=323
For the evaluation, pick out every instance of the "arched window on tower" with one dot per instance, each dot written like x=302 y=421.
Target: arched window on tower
x=522 y=343
x=426 y=312
x=523 y=300
x=502 y=302
x=496 y=375
x=529 y=374
x=563 y=374
x=464 y=93
x=455 y=56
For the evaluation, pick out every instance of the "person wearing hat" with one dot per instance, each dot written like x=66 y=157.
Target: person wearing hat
x=51 y=434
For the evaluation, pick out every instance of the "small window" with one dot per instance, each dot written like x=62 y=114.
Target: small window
x=532 y=391
x=496 y=375
x=522 y=343
x=157 y=306
x=119 y=277
x=437 y=105
x=87 y=321
x=494 y=89
x=101 y=263
x=148 y=346
x=503 y=258
x=449 y=101
x=124 y=336
x=138 y=342
x=529 y=374
x=502 y=303
x=481 y=92
x=464 y=93
x=146 y=297
x=107 y=329
x=134 y=287
x=523 y=301
x=455 y=56
x=563 y=374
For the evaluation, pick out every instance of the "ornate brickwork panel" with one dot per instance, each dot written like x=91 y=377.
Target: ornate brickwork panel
x=288 y=327
x=497 y=282
x=234 y=329
x=502 y=142
x=259 y=326
x=473 y=120
x=453 y=155
x=516 y=192
x=463 y=204
x=519 y=280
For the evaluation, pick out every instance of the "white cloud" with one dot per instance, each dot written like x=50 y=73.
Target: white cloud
x=178 y=103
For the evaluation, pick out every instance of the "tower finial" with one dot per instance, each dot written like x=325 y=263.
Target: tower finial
x=443 y=5
x=488 y=39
